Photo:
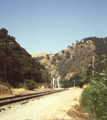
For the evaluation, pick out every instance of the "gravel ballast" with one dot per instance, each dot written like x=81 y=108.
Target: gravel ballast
x=52 y=106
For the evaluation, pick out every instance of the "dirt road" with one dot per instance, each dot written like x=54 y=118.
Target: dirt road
x=50 y=107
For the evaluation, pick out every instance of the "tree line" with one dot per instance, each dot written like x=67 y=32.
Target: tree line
x=20 y=66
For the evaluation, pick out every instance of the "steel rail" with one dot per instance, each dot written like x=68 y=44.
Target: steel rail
x=18 y=96
x=14 y=99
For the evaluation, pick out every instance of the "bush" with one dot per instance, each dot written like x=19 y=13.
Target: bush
x=67 y=53
x=20 y=85
x=37 y=85
x=71 y=47
x=5 y=84
x=56 y=54
x=94 y=98
x=46 y=85
x=53 y=59
x=63 y=51
x=48 y=57
x=29 y=84
x=77 y=79
x=65 y=83
x=59 y=58
x=67 y=56
x=49 y=85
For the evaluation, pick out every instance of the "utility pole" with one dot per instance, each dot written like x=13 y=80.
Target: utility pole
x=5 y=60
x=47 y=76
x=58 y=82
x=74 y=82
x=93 y=65
x=53 y=81
x=10 y=44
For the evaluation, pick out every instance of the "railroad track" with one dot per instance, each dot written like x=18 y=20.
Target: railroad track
x=19 y=98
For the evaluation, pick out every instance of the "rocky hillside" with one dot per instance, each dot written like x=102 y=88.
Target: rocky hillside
x=75 y=58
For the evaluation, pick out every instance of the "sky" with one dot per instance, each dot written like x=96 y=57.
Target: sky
x=52 y=25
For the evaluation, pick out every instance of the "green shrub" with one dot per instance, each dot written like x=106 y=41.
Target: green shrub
x=56 y=54
x=94 y=98
x=49 y=85
x=59 y=58
x=67 y=56
x=65 y=83
x=37 y=85
x=20 y=85
x=5 y=84
x=67 y=53
x=29 y=84
x=63 y=51
x=77 y=78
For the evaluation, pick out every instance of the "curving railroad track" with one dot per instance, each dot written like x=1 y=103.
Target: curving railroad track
x=19 y=98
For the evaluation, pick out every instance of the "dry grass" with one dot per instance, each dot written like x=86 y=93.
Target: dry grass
x=17 y=89
x=77 y=113
x=42 y=86
x=85 y=86
x=39 y=54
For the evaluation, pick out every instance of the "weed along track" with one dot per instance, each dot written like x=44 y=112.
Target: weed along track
x=19 y=98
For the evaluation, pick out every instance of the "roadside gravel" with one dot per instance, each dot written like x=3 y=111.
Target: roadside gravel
x=49 y=107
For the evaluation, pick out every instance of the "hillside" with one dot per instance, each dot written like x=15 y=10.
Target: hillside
x=75 y=58
x=39 y=56
x=18 y=67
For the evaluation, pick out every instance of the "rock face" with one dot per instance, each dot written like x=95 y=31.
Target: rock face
x=4 y=91
x=75 y=58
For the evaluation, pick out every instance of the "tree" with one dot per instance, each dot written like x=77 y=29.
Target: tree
x=77 y=79
x=48 y=57
x=20 y=65
x=3 y=31
x=67 y=55
x=63 y=51
x=59 y=58
x=65 y=83
x=56 y=54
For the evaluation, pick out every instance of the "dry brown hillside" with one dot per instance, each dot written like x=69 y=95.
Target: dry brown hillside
x=75 y=58
x=39 y=54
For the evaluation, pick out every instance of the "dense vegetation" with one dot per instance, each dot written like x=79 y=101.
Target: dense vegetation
x=20 y=67
x=74 y=81
x=94 y=97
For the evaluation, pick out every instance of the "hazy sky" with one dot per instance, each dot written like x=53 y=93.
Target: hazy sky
x=52 y=25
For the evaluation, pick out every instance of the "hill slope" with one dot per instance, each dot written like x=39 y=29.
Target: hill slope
x=75 y=58
x=39 y=56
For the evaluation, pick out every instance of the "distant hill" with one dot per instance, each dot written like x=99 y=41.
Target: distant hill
x=39 y=56
x=76 y=57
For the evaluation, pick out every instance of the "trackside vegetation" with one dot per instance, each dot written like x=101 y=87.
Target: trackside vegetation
x=76 y=79
x=94 y=97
